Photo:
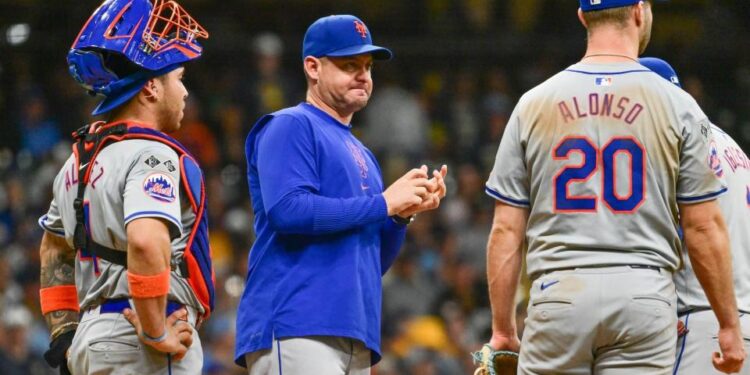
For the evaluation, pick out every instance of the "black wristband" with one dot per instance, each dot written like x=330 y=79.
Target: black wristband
x=403 y=220
x=55 y=355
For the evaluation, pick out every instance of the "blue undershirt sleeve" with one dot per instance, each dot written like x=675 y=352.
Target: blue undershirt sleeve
x=289 y=181
x=392 y=236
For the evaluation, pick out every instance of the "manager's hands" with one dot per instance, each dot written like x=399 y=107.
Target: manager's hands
x=436 y=191
x=407 y=191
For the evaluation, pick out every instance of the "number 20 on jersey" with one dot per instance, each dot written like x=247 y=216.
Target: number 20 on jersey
x=603 y=160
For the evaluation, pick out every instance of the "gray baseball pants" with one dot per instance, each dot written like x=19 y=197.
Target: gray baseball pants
x=107 y=344
x=603 y=321
x=695 y=349
x=325 y=355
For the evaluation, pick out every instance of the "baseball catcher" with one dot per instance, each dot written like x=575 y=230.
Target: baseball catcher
x=126 y=274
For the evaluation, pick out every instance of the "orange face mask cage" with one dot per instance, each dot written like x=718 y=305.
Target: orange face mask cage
x=170 y=23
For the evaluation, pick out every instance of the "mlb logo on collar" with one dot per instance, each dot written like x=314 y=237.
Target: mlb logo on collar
x=596 y=2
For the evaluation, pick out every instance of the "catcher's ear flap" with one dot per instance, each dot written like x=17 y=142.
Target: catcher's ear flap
x=88 y=69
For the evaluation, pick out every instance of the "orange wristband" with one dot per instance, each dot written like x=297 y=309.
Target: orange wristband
x=149 y=286
x=61 y=297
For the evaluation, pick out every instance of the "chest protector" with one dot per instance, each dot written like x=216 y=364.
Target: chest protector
x=195 y=265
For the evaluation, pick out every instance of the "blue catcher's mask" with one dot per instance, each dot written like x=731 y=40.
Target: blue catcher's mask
x=156 y=37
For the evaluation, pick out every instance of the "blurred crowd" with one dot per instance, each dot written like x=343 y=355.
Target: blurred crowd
x=439 y=109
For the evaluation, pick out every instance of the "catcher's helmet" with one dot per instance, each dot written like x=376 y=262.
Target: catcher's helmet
x=127 y=42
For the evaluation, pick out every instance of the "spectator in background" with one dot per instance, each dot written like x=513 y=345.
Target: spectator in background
x=70 y=105
x=497 y=105
x=39 y=133
x=15 y=356
x=465 y=116
x=269 y=88
x=457 y=212
x=395 y=122
x=464 y=289
x=407 y=289
x=10 y=292
x=197 y=136
x=231 y=122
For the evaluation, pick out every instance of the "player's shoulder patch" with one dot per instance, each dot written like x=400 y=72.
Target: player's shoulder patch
x=160 y=186
x=152 y=161
x=705 y=129
x=714 y=159
x=170 y=166
x=156 y=156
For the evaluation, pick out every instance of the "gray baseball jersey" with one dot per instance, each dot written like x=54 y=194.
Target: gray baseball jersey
x=601 y=154
x=732 y=165
x=130 y=179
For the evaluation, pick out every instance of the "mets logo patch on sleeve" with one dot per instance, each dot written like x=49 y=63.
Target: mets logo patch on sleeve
x=714 y=161
x=160 y=187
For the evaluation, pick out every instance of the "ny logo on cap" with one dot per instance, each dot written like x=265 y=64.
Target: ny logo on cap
x=596 y=2
x=361 y=28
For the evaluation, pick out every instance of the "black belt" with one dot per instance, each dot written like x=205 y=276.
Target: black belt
x=633 y=266
x=644 y=267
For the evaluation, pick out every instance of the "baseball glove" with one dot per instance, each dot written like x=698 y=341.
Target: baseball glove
x=495 y=362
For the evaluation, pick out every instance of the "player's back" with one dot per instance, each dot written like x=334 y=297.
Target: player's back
x=608 y=150
x=732 y=165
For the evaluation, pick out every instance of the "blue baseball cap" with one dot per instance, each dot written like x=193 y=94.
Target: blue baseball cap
x=661 y=68
x=591 y=5
x=341 y=35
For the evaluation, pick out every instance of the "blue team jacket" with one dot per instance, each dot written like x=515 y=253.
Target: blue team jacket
x=323 y=235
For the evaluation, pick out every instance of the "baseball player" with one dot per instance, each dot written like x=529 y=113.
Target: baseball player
x=126 y=235
x=326 y=229
x=591 y=172
x=698 y=324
